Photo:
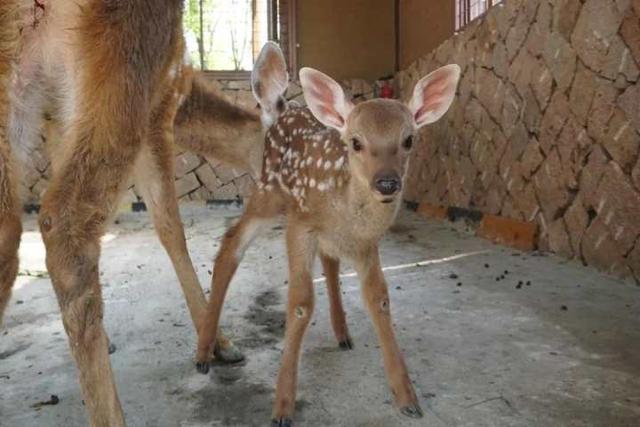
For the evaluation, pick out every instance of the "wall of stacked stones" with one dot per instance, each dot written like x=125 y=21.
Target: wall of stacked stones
x=546 y=126
x=197 y=178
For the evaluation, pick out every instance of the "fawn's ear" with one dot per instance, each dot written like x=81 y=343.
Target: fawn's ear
x=325 y=98
x=434 y=94
x=269 y=82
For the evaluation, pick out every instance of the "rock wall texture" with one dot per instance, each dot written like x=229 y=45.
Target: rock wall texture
x=197 y=177
x=546 y=126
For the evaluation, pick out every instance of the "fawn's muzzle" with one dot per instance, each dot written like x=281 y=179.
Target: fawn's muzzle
x=388 y=184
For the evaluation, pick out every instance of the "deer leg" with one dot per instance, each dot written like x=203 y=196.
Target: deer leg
x=20 y=126
x=155 y=179
x=23 y=130
x=115 y=76
x=74 y=211
x=376 y=297
x=10 y=226
x=236 y=240
x=331 y=268
x=301 y=249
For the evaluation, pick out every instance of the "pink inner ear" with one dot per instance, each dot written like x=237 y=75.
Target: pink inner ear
x=332 y=115
x=431 y=104
x=325 y=98
x=433 y=94
x=323 y=92
x=438 y=85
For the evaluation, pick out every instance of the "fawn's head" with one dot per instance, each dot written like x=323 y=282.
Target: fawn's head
x=380 y=132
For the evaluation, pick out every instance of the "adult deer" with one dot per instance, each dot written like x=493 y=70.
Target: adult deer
x=112 y=75
x=339 y=182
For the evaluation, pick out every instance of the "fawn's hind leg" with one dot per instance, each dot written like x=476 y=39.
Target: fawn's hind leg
x=331 y=268
x=155 y=178
x=261 y=211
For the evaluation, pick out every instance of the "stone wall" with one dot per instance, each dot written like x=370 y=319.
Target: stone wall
x=197 y=178
x=546 y=126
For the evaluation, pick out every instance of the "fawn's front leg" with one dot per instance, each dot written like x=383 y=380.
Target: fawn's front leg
x=301 y=249
x=331 y=268
x=376 y=297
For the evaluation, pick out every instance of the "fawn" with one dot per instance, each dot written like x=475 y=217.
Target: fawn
x=112 y=75
x=338 y=180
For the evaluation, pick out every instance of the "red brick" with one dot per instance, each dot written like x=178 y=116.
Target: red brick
x=431 y=211
x=516 y=234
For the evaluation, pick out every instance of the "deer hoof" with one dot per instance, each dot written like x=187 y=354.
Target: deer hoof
x=202 y=367
x=282 y=422
x=112 y=348
x=346 y=344
x=412 y=411
x=228 y=355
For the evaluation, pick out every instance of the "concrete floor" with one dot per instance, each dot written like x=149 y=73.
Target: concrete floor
x=481 y=354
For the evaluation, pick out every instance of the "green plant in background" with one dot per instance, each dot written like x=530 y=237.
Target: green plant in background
x=219 y=33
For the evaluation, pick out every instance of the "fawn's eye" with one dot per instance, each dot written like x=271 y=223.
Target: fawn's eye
x=356 y=144
x=407 y=143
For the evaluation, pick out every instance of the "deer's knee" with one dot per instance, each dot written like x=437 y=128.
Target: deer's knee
x=301 y=306
x=82 y=313
x=169 y=228
x=73 y=251
x=303 y=311
x=378 y=300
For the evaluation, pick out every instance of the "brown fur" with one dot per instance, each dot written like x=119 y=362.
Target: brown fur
x=123 y=60
x=340 y=190
x=211 y=126
x=105 y=138
x=343 y=219
x=10 y=225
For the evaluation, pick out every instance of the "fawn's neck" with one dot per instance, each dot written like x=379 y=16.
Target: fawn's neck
x=360 y=214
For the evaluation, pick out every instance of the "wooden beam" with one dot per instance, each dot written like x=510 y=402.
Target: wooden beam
x=396 y=24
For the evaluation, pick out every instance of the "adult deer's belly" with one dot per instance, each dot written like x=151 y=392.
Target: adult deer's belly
x=44 y=70
x=46 y=36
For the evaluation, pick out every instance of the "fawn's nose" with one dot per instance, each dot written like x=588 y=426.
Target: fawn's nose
x=388 y=184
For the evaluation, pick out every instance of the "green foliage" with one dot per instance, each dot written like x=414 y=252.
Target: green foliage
x=225 y=40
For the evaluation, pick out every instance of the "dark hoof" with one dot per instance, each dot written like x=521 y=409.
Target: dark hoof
x=228 y=355
x=202 y=367
x=282 y=422
x=346 y=344
x=412 y=411
x=112 y=348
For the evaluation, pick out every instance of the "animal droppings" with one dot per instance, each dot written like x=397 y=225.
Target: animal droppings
x=53 y=400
